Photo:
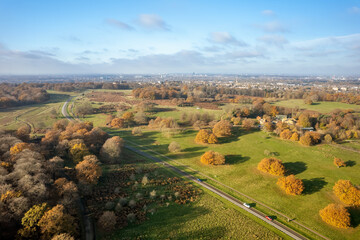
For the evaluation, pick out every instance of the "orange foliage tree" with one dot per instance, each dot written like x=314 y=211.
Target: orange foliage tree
x=291 y=185
x=222 y=128
x=212 y=139
x=202 y=136
x=272 y=165
x=339 y=162
x=335 y=215
x=347 y=192
x=295 y=136
x=212 y=158
x=286 y=134
x=88 y=170
x=117 y=123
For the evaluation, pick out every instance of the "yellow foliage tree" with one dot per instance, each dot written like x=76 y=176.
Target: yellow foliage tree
x=295 y=136
x=202 y=136
x=212 y=139
x=286 y=134
x=78 y=151
x=212 y=158
x=10 y=194
x=347 y=192
x=339 y=162
x=291 y=185
x=272 y=165
x=335 y=215
x=222 y=129
x=19 y=147
x=88 y=170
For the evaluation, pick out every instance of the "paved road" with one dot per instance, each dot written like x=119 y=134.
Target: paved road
x=222 y=194
x=64 y=110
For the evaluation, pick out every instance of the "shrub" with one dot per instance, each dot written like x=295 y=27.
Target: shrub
x=174 y=147
x=339 y=162
x=212 y=139
x=144 y=180
x=272 y=165
x=291 y=185
x=111 y=150
x=335 y=215
x=131 y=217
x=137 y=131
x=347 y=192
x=222 y=129
x=328 y=138
x=306 y=140
x=212 y=158
x=248 y=124
x=107 y=221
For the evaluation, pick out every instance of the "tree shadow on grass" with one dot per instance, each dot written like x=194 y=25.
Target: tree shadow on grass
x=193 y=149
x=236 y=133
x=350 y=163
x=232 y=159
x=207 y=233
x=191 y=154
x=313 y=185
x=355 y=216
x=295 y=167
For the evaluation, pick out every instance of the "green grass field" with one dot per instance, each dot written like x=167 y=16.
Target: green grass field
x=37 y=115
x=314 y=165
x=206 y=218
x=322 y=107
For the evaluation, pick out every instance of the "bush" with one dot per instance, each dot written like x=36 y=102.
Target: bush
x=328 y=138
x=212 y=139
x=295 y=136
x=137 y=131
x=286 y=134
x=202 y=136
x=107 y=221
x=291 y=185
x=272 y=165
x=335 y=215
x=212 y=158
x=174 y=147
x=111 y=150
x=339 y=163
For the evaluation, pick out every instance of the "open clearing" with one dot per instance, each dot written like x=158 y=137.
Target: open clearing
x=322 y=107
x=314 y=165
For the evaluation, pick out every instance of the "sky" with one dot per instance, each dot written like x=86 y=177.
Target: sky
x=184 y=36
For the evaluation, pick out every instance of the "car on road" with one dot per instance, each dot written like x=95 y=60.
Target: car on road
x=199 y=180
x=246 y=205
x=268 y=218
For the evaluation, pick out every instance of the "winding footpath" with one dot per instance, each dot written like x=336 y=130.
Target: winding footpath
x=286 y=230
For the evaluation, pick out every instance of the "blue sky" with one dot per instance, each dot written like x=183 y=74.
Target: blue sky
x=130 y=36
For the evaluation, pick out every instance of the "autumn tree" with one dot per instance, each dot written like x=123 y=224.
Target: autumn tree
x=212 y=158
x=117 y=123
x=347 y=192
x=88 y=170
x=23 y=133
x=295 y=136
x=222 y=129
x=306 y=140
x=174 y=147
x=56 y=221
x=212 y=139
x=286 y=134
x=78 y=151
x=136 y=131
x=304 y=120
x=63 y=236
x=272 y=165
x=111 y=150
x=31 y=219
x=248 y=124
x=128 y=117
x=202 y=136
x=107 y=221
x=83 y=109
x=335 y=215
x=19 y=147
x=339 y=162
x=291 y=185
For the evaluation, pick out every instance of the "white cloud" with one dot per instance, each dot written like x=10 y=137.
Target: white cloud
x=268 y=12
x=273 y=26
x=275 y=40
x=225 y=38
x=355 y=10
x=152 y=22
x=119 y=24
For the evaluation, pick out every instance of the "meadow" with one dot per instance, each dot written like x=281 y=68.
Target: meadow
x=322 y=107
x=314 y=165
x=206 y=218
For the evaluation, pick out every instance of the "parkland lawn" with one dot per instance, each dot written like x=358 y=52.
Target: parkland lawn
x=322 y=107
x=314 y=165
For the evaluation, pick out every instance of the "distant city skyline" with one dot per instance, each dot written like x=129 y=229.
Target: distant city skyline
x=139 y=37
